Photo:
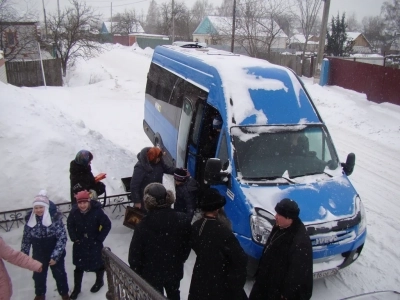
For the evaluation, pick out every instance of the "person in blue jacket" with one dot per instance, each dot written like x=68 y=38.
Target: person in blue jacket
x=149 y=168
x=88 y=227
x=45 y=233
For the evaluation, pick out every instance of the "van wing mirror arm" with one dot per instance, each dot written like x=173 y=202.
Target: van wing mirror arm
x=348 y=167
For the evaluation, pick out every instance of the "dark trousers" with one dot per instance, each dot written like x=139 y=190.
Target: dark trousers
x=59 y=274
x=171 y=287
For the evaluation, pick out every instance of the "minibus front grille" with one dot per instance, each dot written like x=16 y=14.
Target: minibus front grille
x=332 y=237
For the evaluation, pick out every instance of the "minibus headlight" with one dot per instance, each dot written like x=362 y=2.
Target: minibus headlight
x=361 y=210
x=261 y=228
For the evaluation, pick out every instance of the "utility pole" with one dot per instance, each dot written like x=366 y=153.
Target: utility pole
x=233 y=26
x=111 y=19
x=58 y=9
x=44 y=14
x=173 y=21
x=322 y=38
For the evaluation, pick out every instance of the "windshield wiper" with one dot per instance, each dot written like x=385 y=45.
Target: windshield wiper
x=286 y=176
x=268 y=178
x=315 y=173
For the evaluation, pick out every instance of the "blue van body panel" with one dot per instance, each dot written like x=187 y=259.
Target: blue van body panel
x=297 y=108
x=159 y=124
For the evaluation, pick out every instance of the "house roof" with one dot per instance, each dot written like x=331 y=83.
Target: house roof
x=136 y=27
x=223 y=26
x=352 y=35
x=301 y=39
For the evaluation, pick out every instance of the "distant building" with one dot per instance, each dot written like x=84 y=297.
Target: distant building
x=214 y=30
x=19 y=40
x=359 y=42
x=297 y=42
x=115 y=28
x=142 y=39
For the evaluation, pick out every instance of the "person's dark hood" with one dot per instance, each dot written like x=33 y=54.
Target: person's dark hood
x=75 y=168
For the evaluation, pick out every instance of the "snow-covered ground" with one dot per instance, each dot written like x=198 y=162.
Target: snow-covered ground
x=101 y=109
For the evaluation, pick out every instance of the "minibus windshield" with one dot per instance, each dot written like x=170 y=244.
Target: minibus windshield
x=267 y=152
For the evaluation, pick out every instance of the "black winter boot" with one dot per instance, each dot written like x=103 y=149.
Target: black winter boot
x=78 y=275
x=99 y=281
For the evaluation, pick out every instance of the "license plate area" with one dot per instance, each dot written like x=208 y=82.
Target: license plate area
x=325 y=273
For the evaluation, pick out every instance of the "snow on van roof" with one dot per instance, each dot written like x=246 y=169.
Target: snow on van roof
x=238 y=78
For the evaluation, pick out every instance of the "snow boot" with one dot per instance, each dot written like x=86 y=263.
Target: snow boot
x=78 y=275
x=99 y=281
x=42 y=297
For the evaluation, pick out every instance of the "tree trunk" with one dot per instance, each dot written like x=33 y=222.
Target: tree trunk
x=64 y=68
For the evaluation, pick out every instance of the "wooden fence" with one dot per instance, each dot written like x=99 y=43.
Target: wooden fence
x=29 y=73
x=302 y=67
x=380 y=84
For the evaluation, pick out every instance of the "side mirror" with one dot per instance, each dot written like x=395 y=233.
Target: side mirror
x=213 y=174
x=348 y=167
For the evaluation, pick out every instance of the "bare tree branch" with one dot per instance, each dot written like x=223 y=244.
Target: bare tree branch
x=71 y=35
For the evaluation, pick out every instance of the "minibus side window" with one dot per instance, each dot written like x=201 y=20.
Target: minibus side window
x=177 y=95
x=160 y=83
x=152 y=79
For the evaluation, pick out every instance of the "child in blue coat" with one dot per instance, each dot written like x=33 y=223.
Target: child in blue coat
x=88 y=227
x=45 y=232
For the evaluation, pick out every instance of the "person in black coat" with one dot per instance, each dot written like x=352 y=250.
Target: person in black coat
x=160 y=243
x=285 y=270
x=186 y=189
x=149 y=168
x=81 y=175
x=220 y=268
x=88 y=227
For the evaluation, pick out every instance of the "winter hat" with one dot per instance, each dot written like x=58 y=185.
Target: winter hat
x=40 y=200
x=156 y=196
x=83 y=157
x=217 y=122
x=288 y=208
x=212 y=200
x=82 y=196
x=180 y=175
x=153 y=153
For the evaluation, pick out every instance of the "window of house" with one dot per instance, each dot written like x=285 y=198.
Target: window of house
x=10 y=38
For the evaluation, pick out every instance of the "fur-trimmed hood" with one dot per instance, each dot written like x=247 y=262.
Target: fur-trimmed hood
x=157 y=197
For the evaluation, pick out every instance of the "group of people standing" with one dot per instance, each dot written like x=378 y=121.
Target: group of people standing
x=162 y=240
x=45 y=233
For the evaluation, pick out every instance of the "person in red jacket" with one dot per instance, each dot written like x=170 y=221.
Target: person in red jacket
x=16 y=258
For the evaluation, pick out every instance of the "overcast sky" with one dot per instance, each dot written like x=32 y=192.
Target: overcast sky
x=361 y=8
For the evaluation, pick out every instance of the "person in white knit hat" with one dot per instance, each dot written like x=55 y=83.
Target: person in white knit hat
x=45 y=232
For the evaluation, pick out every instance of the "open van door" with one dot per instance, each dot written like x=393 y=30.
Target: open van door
x=183 y=134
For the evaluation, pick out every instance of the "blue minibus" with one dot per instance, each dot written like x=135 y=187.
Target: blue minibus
x=272 y=145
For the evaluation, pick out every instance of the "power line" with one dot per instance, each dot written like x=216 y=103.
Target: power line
x=106 y=1
x=121 y=4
